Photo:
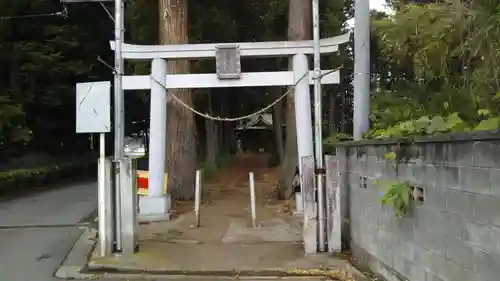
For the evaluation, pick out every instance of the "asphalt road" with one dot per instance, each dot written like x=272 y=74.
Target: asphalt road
x=37 y=231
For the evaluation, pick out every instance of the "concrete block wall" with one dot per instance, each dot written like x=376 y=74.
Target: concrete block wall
x=453 y=235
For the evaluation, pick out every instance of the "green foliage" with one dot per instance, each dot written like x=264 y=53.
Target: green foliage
x=491 y=123
x=436 y=69
x=12 y=127
x=396 y=194
x=331 y=140
x=427 y=125
x=390 y=156
x=41 y=59
x=16 y=181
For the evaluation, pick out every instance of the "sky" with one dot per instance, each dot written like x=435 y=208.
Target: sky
x=378 y=5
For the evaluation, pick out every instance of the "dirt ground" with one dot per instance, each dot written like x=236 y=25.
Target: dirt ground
x=232 y=179
x=226 y=197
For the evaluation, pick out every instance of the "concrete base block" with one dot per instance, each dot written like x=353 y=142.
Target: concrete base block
x=156 y=208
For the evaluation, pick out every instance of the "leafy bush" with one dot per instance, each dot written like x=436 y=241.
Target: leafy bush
x=331 y=140
x=12 y=124
x=432 y=61
x=14 y=181
x=432 y=125
x=396 y=194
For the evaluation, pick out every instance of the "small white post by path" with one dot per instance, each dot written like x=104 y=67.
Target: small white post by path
x=252 y=200
x=197 y=197
x=302 y=116
x=155 y=206
x=104 y=247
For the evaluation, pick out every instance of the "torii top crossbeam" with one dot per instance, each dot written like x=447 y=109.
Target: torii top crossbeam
x=247 y=49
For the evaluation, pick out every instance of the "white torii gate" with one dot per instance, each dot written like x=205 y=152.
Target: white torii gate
x=156 y=205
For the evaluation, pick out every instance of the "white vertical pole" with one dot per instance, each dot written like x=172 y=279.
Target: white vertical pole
x=158 y=127
x=303 y=115
x=117 y=204
x=119 y=116
x=318 y=123
x=197 y=198
x=101 y=197
x=361 y=68
x=118 y=90
x=252 y=200
x=108 y=205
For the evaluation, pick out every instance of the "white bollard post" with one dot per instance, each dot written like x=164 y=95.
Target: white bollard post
x=303 y=117
x=252 y=200
x=197 y=197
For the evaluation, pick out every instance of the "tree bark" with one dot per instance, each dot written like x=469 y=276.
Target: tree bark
x=278 y=130
x=212 y=141
x=299 y=28
x=332 y=103
x=342 y=112
x=181 y=128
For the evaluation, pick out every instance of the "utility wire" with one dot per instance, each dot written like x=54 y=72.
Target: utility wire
x=63 y=13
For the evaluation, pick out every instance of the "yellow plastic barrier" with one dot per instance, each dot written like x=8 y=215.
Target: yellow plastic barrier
x=142 y=183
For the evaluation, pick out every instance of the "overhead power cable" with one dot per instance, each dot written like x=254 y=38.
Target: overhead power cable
x=63 y=14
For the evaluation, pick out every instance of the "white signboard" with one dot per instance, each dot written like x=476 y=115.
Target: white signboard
x=93 y=107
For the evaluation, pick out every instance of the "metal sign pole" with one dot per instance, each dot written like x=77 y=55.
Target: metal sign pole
x=318 y=114
x=119 y=118
x=118 y=90
x=119 y=115
x=93 y=115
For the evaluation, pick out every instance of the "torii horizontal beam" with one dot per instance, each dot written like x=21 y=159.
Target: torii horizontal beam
x=247 y=49
x=249 y=79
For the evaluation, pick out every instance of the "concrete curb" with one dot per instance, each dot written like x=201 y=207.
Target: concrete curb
x=346 y=274
x=75 y=266
x=77 y=258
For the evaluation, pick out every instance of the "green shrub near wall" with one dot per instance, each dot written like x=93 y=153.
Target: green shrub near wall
x=22 y=180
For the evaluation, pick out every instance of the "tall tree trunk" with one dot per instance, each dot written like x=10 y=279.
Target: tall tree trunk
x=228 y=136
x=278 y=130
x=299 y=28
x=332 y=102
x=342 y=112
x=212 y=136
x=181 y=128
